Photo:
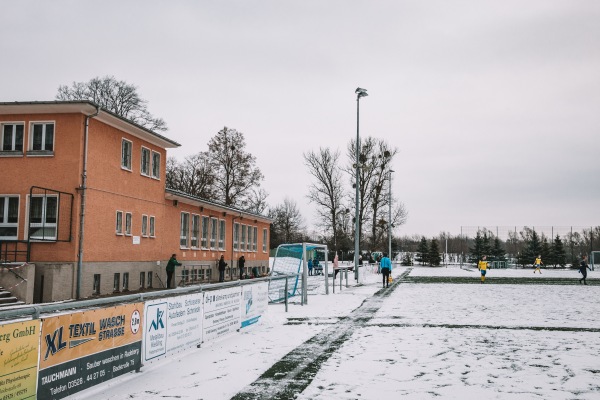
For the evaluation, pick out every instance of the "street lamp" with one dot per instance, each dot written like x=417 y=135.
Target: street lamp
x=359 y=93
x=390 y=214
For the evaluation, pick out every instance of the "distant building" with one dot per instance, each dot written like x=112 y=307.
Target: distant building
x=83 y=200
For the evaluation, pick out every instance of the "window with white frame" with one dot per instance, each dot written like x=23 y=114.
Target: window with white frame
x=126 y=154
x=119 y=224
x=43 y=217
x=213 y=232
x=145 y=162
x=128 y=220
x=264 y=244
x=42 y=136
x=243 y=240
x=195 y=230
x=9 y=217
x=255 y=239
x=12 y=137
x=236 y=236
x=204 y=240
x=249 y=248
x=155 y=165
x=221 y=234
x=152 y=227
x=184 y=231
x=144 y=225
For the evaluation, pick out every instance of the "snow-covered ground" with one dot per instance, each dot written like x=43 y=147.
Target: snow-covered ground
x=415 y=340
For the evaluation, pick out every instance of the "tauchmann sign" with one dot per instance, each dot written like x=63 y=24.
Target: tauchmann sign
x=171 y=325
x=19 y=346
x=82 y=349
x=255 y=301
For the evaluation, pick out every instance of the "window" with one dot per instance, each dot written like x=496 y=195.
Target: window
x=204 y=240
x=142 y=279
x=125 y=281
x=249 y=248
x=12 y=137
x=264 y=240
x=185 y=276
x=221 y=234
x=119 y=226
x=236 y=236
x=255 y=239
x=213 y=232
x=184 y=232
x=149 y=279
x=42 y=137
x=9 y=217
x=152 y=232
x=43 y=217
x=144 y=225
x=155 y=165
x=243 y=241
x=145 y=162
x=195 y=230
x=96 y=287
x=128 y=224
x=117 y=282
x=126 y=154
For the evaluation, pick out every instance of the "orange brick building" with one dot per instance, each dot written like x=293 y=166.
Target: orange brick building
x=83 y=201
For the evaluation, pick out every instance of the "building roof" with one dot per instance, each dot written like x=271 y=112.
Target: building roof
x=172 y=194
x=87 y=108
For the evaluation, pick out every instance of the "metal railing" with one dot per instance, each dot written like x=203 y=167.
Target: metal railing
x=12 y=251
x=35 y=311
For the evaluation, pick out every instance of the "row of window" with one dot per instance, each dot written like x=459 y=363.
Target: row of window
x=149 y=160
x=43 y=217
x=148 y=224
x=41 y=136
x=209 y=233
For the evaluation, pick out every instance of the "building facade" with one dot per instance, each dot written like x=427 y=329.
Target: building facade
x=83 y=199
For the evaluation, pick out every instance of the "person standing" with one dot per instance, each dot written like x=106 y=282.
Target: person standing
x=537 y=263
x=386 y=269
x=171 y=268
x=222 y=265
x=310 y=266
x=482 y=265
x=583 y=267
x=241 y=265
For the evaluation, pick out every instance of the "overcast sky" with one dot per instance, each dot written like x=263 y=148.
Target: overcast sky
x=494 y=105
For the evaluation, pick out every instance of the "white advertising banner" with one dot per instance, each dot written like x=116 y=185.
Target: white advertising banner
x=172 y=324
x=255 y=300
x=221 y=312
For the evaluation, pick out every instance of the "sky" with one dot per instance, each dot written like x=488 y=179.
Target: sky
x=493 y=106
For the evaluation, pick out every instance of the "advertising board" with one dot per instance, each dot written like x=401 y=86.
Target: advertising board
x=19 y=348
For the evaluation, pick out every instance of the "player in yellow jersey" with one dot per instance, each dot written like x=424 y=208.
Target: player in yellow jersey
x=482 y=265
x=537 y=263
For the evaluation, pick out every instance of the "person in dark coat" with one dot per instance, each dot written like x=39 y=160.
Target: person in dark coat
x=222 y=265
x=171 y=268
x=583 y=267
x=241 y=265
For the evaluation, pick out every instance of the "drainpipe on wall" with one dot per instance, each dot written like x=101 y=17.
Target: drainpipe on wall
x=83 y=188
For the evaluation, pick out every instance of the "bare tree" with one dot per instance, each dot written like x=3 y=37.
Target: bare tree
x=327 y=189
x=288 y=224
x=236 y=173
x=115 y=96
x=193 y=176
x=257 y=200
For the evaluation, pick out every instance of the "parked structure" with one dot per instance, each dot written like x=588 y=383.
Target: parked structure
x=83 y=201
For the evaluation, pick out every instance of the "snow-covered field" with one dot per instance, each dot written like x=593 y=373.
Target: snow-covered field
x=415 y=340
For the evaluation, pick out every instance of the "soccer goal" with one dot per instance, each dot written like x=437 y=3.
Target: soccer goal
x=291 y=259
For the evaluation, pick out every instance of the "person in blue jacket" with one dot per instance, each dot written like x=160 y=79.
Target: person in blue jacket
x=386 y=269
x=310 y=266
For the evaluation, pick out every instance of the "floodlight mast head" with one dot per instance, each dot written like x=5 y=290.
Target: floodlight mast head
x=361 y=92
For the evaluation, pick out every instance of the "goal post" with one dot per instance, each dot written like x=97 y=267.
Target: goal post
x=292 y=259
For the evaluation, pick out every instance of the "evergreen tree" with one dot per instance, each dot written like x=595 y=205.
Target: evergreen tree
x=559 y=255
x=497 y=251
x=406 y=260
x=423 y=251
x=532 y=248
x=477 y=251
x=434 y=253
x=545 y=251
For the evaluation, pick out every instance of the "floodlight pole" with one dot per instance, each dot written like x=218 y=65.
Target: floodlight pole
x=359 y=93
x=390 y=215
